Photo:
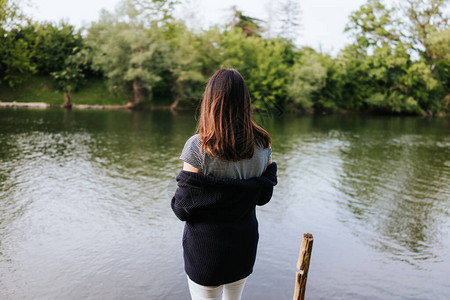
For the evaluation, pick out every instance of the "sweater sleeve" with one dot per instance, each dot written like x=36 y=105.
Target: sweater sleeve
x=180 y=211
x=267 y=191
x=203 y=198
x=266 y=195
x=181 y=203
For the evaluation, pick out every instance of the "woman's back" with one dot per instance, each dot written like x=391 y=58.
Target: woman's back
x=212 y=165
x=226 y=173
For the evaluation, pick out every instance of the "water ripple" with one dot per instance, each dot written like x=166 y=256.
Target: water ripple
x=85 y=207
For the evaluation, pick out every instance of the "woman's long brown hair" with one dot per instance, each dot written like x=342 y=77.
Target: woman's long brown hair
x=226 y=126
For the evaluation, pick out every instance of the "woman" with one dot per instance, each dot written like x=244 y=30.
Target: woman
x=227 y=172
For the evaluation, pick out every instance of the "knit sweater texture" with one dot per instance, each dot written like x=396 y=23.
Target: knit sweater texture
x=221 y=232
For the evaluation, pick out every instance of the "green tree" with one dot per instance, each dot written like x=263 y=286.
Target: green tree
x=17 y=50
x=398 y=81
x=210 y=53
x=429 y=35
x=130 y=54
x=439 y=46
x=56 y=43
x=11 y=14
x=330 y=97
x=185 y=65
x=426 y=19
x=306 y=79
x=392 y=80
x=71 y=75
x=263 y=63
x=17 y=43
x=146 y=13
x=355 y=84
x=374 y=24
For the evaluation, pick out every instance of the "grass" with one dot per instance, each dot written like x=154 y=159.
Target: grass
x=44 y=89
x=93 y=92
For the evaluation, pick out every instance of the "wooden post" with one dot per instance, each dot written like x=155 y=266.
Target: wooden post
x=303 y=266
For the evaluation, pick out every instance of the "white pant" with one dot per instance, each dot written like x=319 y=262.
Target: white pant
x=231 y=291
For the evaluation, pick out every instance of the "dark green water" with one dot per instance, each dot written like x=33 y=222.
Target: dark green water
x=85 y=206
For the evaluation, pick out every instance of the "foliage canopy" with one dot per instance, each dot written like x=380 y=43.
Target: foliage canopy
x=398 y=61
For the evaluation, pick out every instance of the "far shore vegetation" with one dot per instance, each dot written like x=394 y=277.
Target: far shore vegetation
x=141 y=55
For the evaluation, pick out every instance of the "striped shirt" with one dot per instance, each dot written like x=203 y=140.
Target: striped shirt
x=212 y=165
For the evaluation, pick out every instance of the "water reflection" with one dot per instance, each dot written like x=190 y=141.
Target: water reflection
x=397 y=187
x=81 y=201
x=84 y=206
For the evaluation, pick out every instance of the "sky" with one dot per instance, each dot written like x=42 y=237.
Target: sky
x=322 y=21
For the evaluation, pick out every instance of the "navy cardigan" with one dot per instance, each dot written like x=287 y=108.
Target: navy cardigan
x=221 y=231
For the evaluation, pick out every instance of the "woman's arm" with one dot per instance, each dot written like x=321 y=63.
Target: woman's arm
x=180 y=206
x=190 y=168
x=271 y=175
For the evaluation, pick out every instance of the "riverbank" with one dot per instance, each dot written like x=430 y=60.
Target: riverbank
x=44 y=89
x=40 y=92
x=128 y=106
x=42 y=105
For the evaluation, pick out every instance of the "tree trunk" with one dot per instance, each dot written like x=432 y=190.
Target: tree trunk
x=67 y=103
x=175 y=104
x=447 y=104
x=137 y=84
x=136 y=93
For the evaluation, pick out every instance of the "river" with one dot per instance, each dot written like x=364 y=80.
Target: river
x=85 y=206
